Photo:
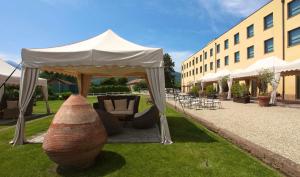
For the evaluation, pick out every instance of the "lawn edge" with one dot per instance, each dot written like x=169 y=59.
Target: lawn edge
x=278 y=162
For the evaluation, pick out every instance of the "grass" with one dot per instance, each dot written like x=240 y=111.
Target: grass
x=195 y=152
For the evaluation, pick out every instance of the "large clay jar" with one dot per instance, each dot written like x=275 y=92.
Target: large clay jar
x=76 y=134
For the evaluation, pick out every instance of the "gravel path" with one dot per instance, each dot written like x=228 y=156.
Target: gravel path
x=274 y=128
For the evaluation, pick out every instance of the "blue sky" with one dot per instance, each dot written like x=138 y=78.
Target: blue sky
x=180 y=27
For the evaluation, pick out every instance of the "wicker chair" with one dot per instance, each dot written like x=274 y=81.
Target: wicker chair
x=110 y=122
x=146 y=119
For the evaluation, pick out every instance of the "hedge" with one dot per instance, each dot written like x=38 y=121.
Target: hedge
x=109 y=88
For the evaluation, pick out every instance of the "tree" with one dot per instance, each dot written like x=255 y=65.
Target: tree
x=51 y=75
x=169 y=71
x=109 y=81
x=122 y=81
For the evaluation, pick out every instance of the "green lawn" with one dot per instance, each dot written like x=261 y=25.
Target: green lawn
x=195 y=152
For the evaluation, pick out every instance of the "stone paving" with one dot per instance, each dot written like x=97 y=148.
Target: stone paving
x=275 y=128
x=129 y=135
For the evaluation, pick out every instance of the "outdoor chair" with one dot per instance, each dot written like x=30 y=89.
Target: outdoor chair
x=146 y=119
x=209 y=104
x=110 y=122
x=217 y=102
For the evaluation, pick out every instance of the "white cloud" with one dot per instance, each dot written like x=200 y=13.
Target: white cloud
x=178 y=57
x=241 y=7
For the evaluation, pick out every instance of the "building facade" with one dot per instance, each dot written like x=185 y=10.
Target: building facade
x=273 y=30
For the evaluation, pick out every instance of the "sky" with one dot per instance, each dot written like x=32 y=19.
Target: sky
x=180 y=27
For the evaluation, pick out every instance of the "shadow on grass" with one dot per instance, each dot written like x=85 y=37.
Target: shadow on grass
x=27 y=118
x=107 y=162
x=182 y=130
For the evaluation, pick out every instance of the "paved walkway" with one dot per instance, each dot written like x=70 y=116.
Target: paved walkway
x=128 y=135
x=274 y=128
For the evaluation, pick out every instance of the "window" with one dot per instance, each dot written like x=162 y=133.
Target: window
x=268 y=21
x=236 y=38
x=226 y=44
x=196 y=60
x=193 y=72
x=200 y=58
x=205 y=67
x=269 y=45
x=211 y=65
x=187 y=65
x=193 y=62
x=294 y=37
x=218 y=63
x=196 y=70
x=250 y=52
x=218 y=48
x=205 y=55
x=226 y=60
x=190 y=73
x=250 y=31
x=181 y=67
x=237 y=57
x=190 y=63
x=211 y=51
x=293 y=8
x=200 y=69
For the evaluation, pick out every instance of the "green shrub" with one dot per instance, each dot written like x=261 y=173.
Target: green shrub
x=239 y=90
x=109 y=88
x=265 y=77
x=194 y=91
x=210 y=90
x=224 y=84
x=140 y=86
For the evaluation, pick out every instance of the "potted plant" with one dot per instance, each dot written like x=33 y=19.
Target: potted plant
x=210 y=91
x=264 y=78
x=224 y=94
x=240 y=93
x=194 y=91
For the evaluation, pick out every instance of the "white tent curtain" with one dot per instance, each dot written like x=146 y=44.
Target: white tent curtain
x=202 y=86
x=274 y=84
x=1 y=92
x=28 y=82
x=220 y=86
x=156 y=81
x=229 y=83
x=45 y=95
x=215 y=86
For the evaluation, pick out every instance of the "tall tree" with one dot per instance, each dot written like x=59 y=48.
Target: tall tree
x=169 y=71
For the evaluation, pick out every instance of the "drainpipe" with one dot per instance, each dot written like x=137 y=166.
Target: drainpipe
x=283 y=46
x=194 y=70
x=215 y=57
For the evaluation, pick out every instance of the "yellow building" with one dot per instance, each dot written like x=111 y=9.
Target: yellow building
x=273 y=30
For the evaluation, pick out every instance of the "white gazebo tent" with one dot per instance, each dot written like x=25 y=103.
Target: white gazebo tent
x=291 y=68
x=215 y=77
x=6 y=70
x=271 y=63
x=105 y=55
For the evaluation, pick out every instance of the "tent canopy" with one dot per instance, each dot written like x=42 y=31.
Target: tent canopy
x=5 y=71
x=291 y=68
x=271 y=63
x=214 y=77
x=106 y=50
x=105 y=55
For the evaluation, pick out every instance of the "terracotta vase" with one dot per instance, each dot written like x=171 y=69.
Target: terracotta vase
x=263 y=101
x=76 y=134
